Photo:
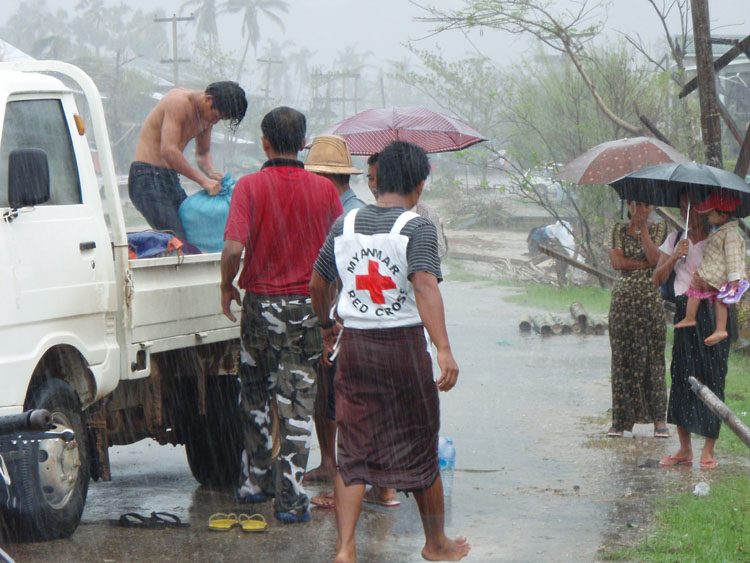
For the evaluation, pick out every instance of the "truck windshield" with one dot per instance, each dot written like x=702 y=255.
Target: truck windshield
x=41 y=124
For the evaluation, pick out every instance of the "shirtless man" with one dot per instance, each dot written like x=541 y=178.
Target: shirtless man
x=180 y=116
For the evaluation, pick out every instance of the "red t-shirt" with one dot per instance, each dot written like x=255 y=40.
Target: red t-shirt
x=282 y=215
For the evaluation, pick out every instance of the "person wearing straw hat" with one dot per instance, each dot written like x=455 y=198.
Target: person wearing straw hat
x=329 y=157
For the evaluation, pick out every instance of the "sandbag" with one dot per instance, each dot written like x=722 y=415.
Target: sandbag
x=204 y=216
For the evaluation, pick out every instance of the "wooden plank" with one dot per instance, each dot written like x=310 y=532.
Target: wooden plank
x=721 y=62
x=604 y=276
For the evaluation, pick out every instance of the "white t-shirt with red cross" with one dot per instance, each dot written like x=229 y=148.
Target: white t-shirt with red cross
x=376 y=291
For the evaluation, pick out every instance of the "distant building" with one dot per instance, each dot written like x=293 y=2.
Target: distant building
x=732 y=81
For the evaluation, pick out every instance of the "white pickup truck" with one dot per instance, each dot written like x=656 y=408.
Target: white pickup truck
x=116 y=349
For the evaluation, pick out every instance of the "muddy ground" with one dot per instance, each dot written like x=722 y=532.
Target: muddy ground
x=535 y=480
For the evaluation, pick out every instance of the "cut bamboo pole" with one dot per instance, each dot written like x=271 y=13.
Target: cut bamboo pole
x=579 y=314
x=564 y=324
x=599 y=324
x=555 y=327
x=524 y=323
x=540 y=326
x=720 y=409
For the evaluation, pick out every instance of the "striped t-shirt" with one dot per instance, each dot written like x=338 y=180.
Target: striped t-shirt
x=421 y=252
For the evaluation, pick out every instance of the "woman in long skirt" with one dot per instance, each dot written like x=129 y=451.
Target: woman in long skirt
x=637 y=331
x=690 y=355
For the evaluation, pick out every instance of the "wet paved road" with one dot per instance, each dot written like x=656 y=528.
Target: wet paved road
x=533 y=482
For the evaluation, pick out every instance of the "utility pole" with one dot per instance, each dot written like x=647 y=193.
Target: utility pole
x=704 y=63
x=267 y=90
x=174 y=60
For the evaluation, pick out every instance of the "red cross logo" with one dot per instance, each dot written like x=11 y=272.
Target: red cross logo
x=375 y=283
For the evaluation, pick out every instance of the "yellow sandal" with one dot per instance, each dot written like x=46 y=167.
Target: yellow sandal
x=221 y=522
x=254 y=523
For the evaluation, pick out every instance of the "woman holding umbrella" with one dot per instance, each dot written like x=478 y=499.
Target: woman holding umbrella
x=690 y=355
x=637 y=331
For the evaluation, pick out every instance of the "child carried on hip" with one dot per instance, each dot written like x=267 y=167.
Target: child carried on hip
x=721 y=275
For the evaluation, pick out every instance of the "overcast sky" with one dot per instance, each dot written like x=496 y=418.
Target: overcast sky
x=382 y=26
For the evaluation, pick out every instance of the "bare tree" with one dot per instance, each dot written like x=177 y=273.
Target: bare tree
x=567 y=32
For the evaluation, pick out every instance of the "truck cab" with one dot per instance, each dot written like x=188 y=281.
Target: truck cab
x=116 y=349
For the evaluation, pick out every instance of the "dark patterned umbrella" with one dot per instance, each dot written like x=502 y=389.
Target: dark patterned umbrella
x=370 y=131
x=662 y=184
x=614 y=159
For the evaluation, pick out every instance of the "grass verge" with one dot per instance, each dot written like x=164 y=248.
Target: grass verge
x=593 y=299
x=712 y=528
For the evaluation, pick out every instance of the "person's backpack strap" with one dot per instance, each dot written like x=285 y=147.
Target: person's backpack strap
x=349 y=222
x=401 y=222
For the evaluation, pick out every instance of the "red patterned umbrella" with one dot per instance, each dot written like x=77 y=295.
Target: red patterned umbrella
x=609 y=161
x=370 y=131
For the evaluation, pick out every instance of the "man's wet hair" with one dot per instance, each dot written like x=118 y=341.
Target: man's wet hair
x=229 y=99
x=401 y=168
x=284 y=128
x=372 y=159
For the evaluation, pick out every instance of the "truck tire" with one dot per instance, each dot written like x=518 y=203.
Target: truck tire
x=51 y=480
x=213 y=443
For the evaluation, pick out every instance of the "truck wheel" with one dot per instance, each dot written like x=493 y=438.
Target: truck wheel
x=51 y=480
x=214 y=442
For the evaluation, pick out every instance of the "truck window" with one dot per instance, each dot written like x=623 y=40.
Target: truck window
x=41 y=124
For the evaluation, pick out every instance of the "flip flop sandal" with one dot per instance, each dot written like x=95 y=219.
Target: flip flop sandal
x=661 y=433
x=614 y=433
x=323 y=501
x=169 y=520
x=221 y=522
x=254 y=523
x=671 y=461
x=390 y=503
x=135 y=520
x=709 y=464
x=735 y=294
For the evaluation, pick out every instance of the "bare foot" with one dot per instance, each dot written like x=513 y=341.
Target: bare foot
x=346 y=554
x=685 y=323
x=716 y=337
x=451 y=550
x=319 y=475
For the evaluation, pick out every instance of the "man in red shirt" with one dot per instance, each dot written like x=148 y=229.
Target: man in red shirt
x=280 y=217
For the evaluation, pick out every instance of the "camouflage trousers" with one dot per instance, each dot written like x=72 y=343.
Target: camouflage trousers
x=281 y=346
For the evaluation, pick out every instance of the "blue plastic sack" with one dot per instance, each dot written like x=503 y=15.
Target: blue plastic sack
x=204 y=216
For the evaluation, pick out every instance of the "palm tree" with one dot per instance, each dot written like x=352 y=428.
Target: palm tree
x=300 y=62
x=206 y=12
x=251 y=12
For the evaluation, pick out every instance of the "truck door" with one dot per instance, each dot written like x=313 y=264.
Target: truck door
x=59 y=278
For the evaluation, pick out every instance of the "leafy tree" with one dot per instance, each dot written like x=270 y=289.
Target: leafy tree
x=29 y=29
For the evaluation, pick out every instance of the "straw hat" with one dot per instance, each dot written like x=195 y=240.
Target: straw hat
x=330 y=155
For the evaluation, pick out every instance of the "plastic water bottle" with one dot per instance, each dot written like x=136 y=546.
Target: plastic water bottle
x=701 y=489
x=447 y=459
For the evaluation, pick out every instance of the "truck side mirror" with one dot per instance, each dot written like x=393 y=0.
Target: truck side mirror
x=28 y=178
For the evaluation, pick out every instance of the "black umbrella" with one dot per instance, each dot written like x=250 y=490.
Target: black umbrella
x=662 y=184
